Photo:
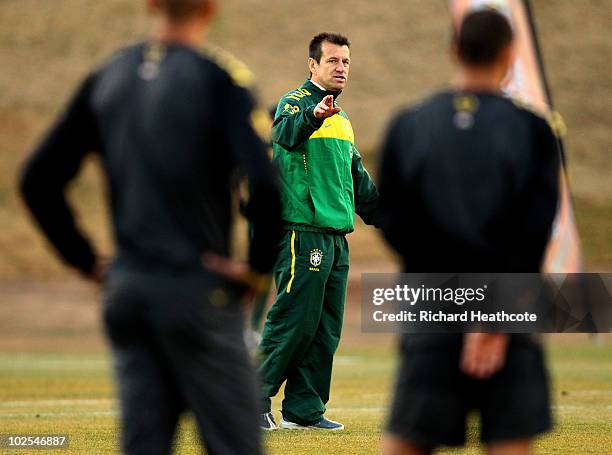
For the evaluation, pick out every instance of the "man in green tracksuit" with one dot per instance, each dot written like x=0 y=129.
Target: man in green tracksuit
x=323 y=183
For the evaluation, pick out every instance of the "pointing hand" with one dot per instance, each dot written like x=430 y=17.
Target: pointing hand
x=326 y=108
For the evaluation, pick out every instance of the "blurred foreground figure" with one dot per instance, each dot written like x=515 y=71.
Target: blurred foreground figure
x=172 y=128
x=468 y=183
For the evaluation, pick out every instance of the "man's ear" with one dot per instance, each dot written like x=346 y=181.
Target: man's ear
x=312 y=64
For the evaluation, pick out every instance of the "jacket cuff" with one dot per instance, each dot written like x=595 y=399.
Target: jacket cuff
x=310 y=118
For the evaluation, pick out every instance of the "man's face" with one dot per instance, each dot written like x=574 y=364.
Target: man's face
x=333 y=69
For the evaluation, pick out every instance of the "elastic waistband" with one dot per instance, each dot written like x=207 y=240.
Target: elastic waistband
x=318 y=230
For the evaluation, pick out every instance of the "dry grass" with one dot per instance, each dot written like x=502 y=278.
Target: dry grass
x=399 y=55
x=55 y=378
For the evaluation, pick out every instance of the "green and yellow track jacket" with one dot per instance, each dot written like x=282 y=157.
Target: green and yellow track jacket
x=323 y=182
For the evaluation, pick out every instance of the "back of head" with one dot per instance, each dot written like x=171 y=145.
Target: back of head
x=178 y=10
x=482 y=37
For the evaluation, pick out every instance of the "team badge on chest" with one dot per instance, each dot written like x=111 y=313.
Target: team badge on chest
x=316 y=258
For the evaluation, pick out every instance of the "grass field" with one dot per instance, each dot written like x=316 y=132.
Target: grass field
x=55 y=378
x=72 y=393
x=54 y=369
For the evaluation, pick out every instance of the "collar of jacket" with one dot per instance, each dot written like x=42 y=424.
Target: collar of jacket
x=323 y=93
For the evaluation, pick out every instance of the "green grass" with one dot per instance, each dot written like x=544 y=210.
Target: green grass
x=73 y=393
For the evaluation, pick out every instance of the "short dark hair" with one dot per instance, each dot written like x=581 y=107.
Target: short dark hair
x=315 y=49
x=483 y=34
x=181 y=9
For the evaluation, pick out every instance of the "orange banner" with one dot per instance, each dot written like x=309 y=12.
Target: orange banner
x=527 y=85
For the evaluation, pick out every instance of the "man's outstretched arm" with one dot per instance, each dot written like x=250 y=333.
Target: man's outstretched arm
x=294 y=124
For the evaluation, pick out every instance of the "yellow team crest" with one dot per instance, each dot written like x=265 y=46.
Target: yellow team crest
x=316 y=258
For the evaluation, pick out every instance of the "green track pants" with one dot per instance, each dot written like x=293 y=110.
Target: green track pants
x=303 y=327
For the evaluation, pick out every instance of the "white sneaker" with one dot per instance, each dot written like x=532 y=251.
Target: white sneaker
x=287 y=425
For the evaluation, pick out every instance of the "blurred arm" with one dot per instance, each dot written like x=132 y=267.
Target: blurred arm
x=393 y=206
x=540 y=201
x=53 y=164
x=241 y=123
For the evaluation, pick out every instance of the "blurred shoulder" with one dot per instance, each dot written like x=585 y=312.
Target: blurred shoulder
x=129 y=53
x=549 y=121
x=424 y=107
x=226 y=63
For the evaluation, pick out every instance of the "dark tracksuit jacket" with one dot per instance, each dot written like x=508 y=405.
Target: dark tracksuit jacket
x=468 y=183
x=172 y=129
x=323 y=184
